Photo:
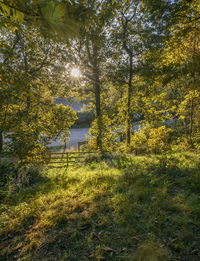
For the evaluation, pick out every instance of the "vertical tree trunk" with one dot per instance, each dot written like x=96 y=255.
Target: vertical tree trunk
x=191 y=121
x=98 y=115
x=1 y=142
x=128 y=118
x=97 y=88
x=186 y=128
x=129 y=92
x=92 y=53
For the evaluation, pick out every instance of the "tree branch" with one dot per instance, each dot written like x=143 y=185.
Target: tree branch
x=18 y=9
x=42 y=63
x=17 y=38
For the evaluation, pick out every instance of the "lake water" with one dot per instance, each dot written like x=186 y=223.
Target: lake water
x=77 y=134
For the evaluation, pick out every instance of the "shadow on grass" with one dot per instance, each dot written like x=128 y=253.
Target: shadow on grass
x=147 y=210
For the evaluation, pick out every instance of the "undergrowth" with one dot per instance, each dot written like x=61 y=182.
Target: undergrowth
x=122 y=208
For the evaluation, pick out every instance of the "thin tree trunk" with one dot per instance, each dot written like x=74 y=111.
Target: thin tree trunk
x=1 y=142
x=129 y=92
x=186 y=129
x=191 y=121
x=93 y=59
x=98 y=115
x=97 y=87
x=128 y=118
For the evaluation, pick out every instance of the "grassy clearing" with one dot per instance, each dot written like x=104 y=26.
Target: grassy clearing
x=132 y=208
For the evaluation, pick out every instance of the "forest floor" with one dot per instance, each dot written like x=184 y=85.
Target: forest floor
x=129 y=208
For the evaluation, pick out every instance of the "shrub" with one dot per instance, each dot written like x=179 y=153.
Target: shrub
x=110 y=139
x=93 y=157
x=8 y=173
x=14 y=178
x=151 y=140
x=139 y=141
x=28 y=174
x=158 y=141
x=183 y=144
x=196 y=141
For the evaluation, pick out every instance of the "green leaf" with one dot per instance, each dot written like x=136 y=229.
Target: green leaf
x=19 y=16
x=59 y=11
x=5 y=9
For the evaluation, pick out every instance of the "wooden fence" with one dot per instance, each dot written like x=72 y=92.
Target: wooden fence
x=57 y=159
x=67 y=159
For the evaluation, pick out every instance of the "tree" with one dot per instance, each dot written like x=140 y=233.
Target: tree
x=128 y=38
x=185 y=43
x=176 y=64
x=90 y=54
x=27 y=104
x=23 y=73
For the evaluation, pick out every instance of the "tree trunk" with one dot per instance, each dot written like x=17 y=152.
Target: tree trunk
x=1 y=142
x=98 y=116
x=97 y=88
x=92 y=53
x=129 y=92
x=128 y=118
x=191 y=121
x=186 y=128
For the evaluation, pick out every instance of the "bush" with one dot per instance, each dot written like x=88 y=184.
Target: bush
x=93 y=157
x=196 y=141
x=151 y=140
x=28 y=174
x=158 y=141
x=8 y=172
x=139 y=141
x=14 y=178
x=110 y=139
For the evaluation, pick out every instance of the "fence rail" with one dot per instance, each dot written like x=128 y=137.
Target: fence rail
x=66 y=159
x=60 y=159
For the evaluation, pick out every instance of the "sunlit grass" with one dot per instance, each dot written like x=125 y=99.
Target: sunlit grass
x=134 y=208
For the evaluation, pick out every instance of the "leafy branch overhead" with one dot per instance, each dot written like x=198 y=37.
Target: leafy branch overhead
x=53 y=17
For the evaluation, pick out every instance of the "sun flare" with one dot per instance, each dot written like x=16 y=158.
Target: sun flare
x=75 y=72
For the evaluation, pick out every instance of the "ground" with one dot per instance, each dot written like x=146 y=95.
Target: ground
x=123 y=208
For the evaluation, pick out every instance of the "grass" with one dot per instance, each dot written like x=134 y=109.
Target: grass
x=128 y=208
